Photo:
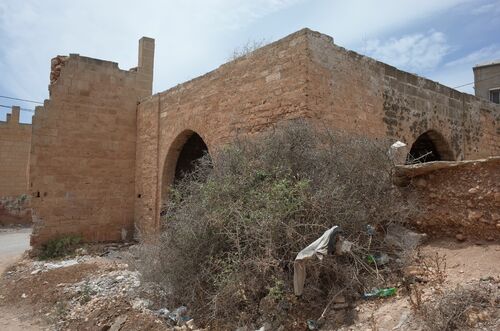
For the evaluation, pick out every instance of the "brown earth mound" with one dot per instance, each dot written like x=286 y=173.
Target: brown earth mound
x=460 y=199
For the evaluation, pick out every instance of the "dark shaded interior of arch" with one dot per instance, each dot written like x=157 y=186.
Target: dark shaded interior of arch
x=423 y=150
x=193 y=149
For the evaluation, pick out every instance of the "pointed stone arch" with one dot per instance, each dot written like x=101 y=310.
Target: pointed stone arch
x=430 y=146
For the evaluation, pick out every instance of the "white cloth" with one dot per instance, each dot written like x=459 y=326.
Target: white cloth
x=398 y=152
x=318 y=248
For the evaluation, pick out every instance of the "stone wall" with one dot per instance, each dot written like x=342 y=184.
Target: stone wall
x=245 y=96
x=15 y=141
x=304 y=75
x=82 y=166
x=105 y=151
x=357 y=94
x=460 y=199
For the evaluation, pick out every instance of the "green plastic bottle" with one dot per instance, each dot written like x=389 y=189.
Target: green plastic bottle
x=381 y=293
x=387 y=292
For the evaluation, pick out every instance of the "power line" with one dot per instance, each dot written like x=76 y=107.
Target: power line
x=481 y=80
x=465 y=85
x=23 y=109
x=18 y=99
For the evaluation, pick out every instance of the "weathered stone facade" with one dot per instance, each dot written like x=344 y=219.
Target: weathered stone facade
x=15 y=142
x=304 y=75
x=96 y=150
x=358 y=94
x=83 y=150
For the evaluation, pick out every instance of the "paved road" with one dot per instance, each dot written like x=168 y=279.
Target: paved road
x=13 y=243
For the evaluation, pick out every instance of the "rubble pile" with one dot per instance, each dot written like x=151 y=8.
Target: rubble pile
x=118 y=282
x=115 y=288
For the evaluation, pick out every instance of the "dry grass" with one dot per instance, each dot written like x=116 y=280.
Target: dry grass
x=457 y=309
x=247 y=48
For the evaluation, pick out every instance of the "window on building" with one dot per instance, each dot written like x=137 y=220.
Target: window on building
x=495 y=95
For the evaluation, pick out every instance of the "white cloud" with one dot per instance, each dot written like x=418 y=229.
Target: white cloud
x=458 y=72
x=188 y=33
x=489 y=8
x=192 y=36
x=235 y=14
x=416 y=52
x=483 y=55
x=350 y=22
x=453 y=77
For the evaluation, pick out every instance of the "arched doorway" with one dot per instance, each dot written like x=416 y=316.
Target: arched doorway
x=194 y=149
x=181 y=159
x=429 y=146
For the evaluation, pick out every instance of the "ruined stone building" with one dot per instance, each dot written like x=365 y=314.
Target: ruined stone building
x=104 y=150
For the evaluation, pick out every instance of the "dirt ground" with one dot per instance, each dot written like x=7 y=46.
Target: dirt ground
x=460 y=263
x=97 y=289
x=13 y=243
x=92 y=290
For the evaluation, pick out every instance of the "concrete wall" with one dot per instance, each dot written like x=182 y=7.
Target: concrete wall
x=303 y=75
x=15 y=141
x=486 y=77
x=82 y=168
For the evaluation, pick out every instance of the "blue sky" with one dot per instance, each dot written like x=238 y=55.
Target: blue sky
x=440 y=40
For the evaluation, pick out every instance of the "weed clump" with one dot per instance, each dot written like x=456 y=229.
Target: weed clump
x=231 y=229
x=60 y=247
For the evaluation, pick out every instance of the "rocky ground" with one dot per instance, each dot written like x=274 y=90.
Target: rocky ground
x=98 y=289
x=459 y=199
x=93 y=290
x=443 y=266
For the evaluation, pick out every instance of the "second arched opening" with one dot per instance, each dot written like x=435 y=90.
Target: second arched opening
x=429 y=146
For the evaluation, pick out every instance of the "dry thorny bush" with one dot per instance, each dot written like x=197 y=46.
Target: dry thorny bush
x=459 y=309
x=455 y=309
x=232 y=228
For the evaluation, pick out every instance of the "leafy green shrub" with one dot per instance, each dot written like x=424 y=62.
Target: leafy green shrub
x=232 y=228
x=60 y=247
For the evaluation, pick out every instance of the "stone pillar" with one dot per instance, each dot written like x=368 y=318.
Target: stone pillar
x=146 y=65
